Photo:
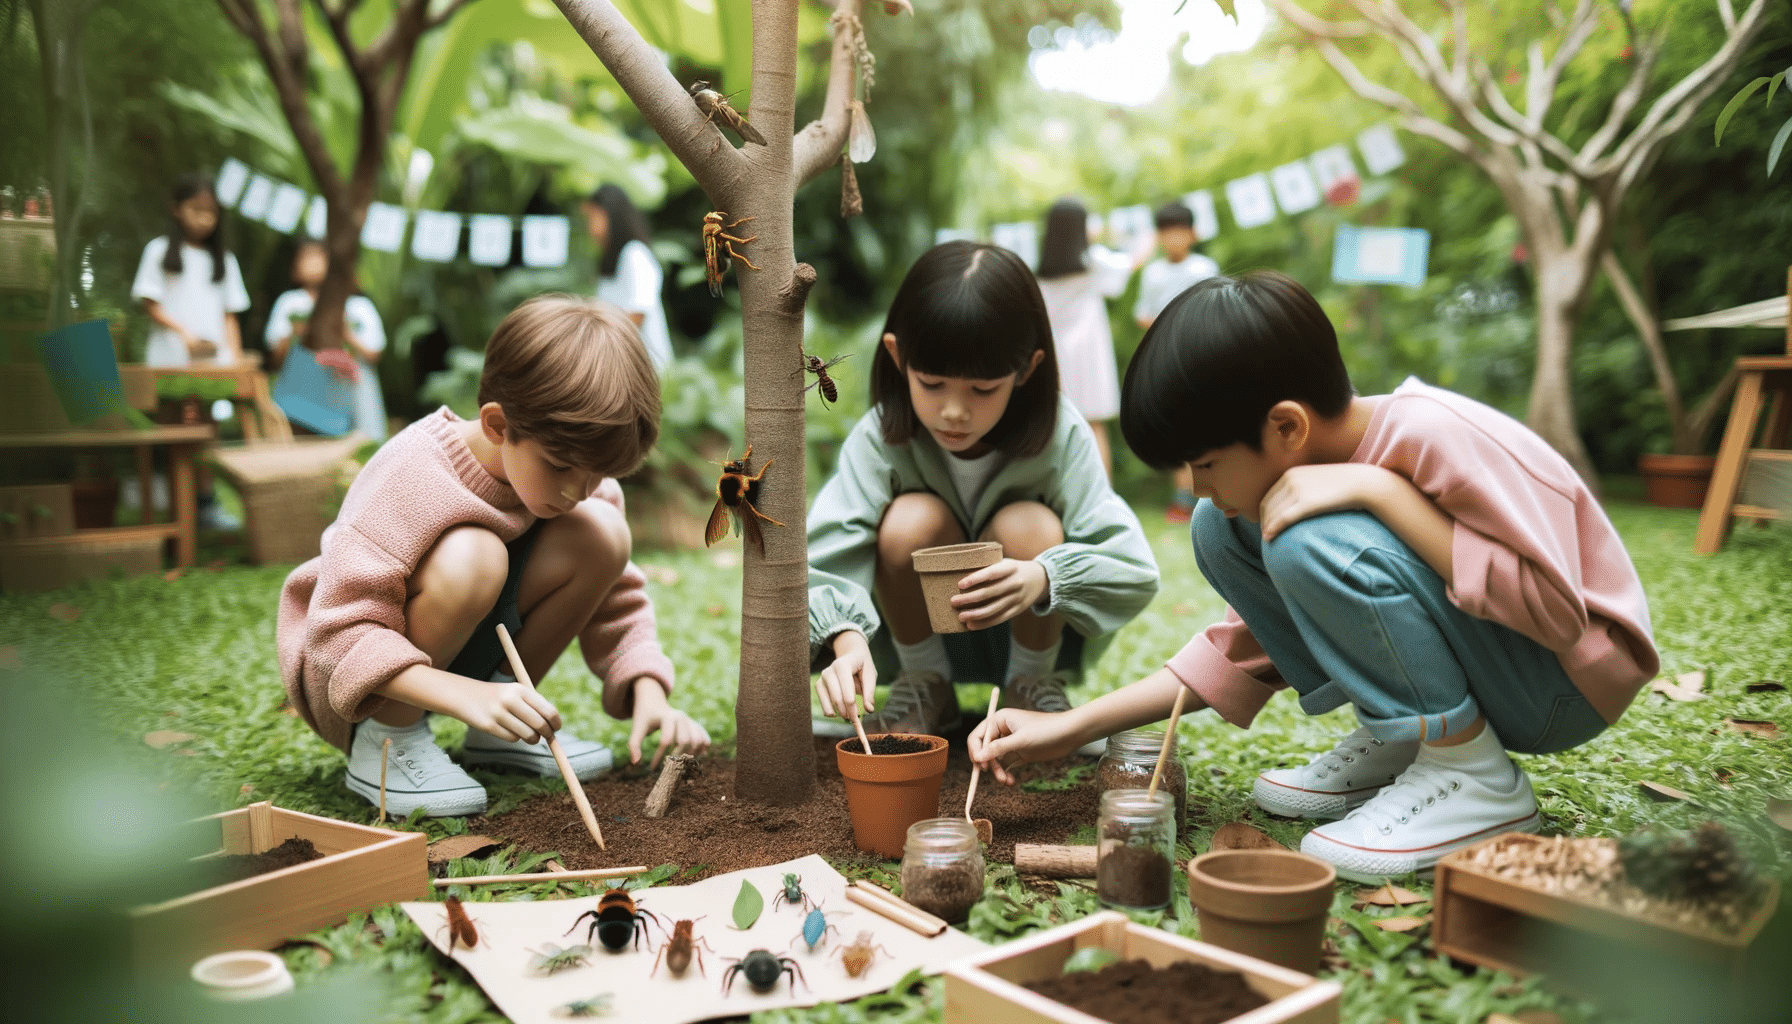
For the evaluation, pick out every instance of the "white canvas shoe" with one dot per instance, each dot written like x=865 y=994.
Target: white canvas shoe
x=588 y=759
x=1430 y=810
x=918 y=702
x=418 y=773
x=1342 y=778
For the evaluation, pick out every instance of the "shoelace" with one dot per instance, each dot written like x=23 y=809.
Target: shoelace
x=907 y=694
x=1419 y=787
x=420 y=761
x=1333 y=761
x=1044 y=693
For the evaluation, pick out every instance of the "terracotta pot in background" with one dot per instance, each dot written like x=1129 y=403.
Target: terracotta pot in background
x=1270 y=904
x=1677 y=481
x=941 y=568
x=96 y=503
x=886 y=793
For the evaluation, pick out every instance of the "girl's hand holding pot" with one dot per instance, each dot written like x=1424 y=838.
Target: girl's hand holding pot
x=1000 y=592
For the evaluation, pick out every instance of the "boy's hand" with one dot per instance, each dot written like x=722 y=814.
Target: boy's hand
x=999 y=592
x=1307 y=491
x=1013 y=737
x=678 y=731
x=509 y=711
x=850 y=674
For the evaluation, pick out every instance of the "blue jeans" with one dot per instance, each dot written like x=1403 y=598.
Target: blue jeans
x=1350 y=614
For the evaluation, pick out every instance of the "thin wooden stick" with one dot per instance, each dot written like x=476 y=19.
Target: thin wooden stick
x=995 y=695
x=385 y=758
x=566 y=772
x=852 y=711
x=584 y=874
x=897 y=910
x=1169 y=740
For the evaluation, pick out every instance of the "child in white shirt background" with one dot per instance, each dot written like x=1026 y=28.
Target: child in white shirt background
x=1164 y=278
x=190 y=284
x=364 y=341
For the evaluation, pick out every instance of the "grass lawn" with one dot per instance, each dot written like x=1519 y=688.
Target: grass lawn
x=197 y=655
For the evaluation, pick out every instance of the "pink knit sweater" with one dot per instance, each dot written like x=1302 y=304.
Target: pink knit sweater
x=1533 y=551
x=341 y=629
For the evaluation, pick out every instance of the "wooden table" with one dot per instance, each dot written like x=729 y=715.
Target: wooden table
x=255 y=406
x=1763 y=383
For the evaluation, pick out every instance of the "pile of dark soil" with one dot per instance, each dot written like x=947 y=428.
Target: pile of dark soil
x=1132 y=992
x=891 y=745
x=238 y=866
x=706 y=828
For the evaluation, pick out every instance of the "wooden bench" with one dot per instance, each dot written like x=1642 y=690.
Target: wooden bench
x=1764 y=383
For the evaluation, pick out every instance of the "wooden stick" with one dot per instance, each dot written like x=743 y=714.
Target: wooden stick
x=1169 y=740
x=584 y=874
x=904 y=914
x=985 y=828
x=1055 y=861
x=852 y=711
x=572 y=779
x=661 y=796
x=385 y=758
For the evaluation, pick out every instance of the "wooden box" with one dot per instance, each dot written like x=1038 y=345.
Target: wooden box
x=36 y=510
x=1494 y=922
x=362 y=868
x=986 y=989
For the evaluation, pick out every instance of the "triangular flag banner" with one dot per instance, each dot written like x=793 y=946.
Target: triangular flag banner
x=1295 y=190
x=317 y=218
x=1207 y=221
x=1250 y=201
x=1332 y=165
x=488 y=239
x=1128 y=225
x=1020 y=238
x=545 y=241
x=1381 y=150
x=286 y=207
x=1381 y=255
x=232 y=177
x=257 y=197
x=436 y=236
x=383 y=231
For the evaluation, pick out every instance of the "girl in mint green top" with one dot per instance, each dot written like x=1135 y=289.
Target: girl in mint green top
x=968 y=438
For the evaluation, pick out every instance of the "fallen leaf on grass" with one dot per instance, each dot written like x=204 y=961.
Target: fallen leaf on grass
x=1662 y=794
x=1766 y=686
x=1779 y=811
x=1723 y=776
x=1389 y=895
x=164 y=738
x=65 y=612
x=9 y=657
x=174 y=574
x=1753 y=727
x=1401 y=924
x=248 y=787
x=1236 y=835
x=1686 y=686
x=444 y=850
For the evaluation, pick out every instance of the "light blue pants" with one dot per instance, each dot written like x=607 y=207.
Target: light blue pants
x=1350 y=614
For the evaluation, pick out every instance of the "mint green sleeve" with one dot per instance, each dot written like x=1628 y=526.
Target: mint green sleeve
x=843 y=538
x=1104 y=573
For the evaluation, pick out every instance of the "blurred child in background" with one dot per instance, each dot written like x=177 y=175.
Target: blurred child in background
x=1165 y=278
x=363 y=341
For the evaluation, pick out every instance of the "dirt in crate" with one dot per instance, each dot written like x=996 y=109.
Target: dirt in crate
x=1133 y=992
x=238 y=866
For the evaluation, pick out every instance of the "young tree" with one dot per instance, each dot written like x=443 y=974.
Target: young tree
x=379 y=68
x=774 y=752
x=1565 y=196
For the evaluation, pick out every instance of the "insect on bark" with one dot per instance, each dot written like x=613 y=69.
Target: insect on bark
x=716 y=109
x=830 y=390
x=738 y=493
x=718 y=248
x=678 y=951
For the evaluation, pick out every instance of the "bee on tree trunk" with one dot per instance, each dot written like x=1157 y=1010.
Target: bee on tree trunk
x=715 y=107
x=830 y=391
x=718 y=248
x=738 y=493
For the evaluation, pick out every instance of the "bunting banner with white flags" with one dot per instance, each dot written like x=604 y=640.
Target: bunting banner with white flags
x=1380 y=148
x=285 y=209
x=1332 y=165
x=317 y=217
x=1020 y=238
x=1296 y=192
x=233 y=176
x=435 y=236
x=488 y=239
x=1250 y=200
x=1207 y=219
x=383 y=230
x=256 y=198
x=545 y=240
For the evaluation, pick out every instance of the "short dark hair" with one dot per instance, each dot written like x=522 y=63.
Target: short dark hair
x=974 y=311
x=1173 y=215
x=1219 y=357
x=1066 y=238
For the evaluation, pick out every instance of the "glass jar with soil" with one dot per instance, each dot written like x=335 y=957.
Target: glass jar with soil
x=1130 y=759
x=1137 y=848
x=942 y=867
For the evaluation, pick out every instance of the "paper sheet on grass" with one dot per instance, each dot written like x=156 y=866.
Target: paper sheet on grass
x=509 y=930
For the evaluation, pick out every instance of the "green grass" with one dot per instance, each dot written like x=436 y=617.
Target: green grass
x=197 y=655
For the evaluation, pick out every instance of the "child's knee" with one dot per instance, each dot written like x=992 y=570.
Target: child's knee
x=1024 y=529
x=463 y=573
x=1328 y=547
x=1211 y=531
x=596 y=537
x=913 y=521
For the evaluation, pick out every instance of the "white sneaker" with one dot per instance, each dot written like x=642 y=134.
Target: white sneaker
x=918 y=702
x=1336 y=781
x=1430 y=810
x=1046 y=693
x=418 y=773
x=588 y=759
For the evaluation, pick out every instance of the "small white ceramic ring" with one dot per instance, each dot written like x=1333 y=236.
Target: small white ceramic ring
x=242 y=974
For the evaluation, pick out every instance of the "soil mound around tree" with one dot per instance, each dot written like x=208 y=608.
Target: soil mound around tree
x=1132 y=992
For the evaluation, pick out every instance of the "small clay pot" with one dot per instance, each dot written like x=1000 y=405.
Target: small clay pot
x=886 y=793
x=1270 y=904
x=941 y=569
x=241 y=975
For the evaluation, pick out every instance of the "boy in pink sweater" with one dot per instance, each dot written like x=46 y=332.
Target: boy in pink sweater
x=458 y=525
x=1418 y=555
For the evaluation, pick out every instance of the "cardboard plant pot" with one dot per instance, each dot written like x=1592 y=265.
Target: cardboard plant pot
x=1270 y=904
x=886 y=793
x=940 y=570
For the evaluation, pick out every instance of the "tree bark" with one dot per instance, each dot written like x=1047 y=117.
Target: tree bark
x=1551 y=412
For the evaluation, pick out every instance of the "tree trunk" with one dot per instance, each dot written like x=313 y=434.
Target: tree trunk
x=1648 y=329
x=1552 y=388
x=342 y=241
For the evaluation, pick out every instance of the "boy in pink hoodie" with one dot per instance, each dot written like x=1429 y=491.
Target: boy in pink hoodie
x=458 y=525
x=1418 y=555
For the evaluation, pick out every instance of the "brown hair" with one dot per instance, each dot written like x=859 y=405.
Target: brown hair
x=572 y=375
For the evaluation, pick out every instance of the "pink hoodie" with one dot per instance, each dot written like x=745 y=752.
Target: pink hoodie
x=341 y=629
x=1533 y=551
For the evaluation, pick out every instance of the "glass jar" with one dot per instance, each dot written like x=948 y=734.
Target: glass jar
x=942 y=867
x=1137 y=849
x=1130 y=759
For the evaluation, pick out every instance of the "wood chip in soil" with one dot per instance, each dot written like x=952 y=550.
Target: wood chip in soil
x=706 y=828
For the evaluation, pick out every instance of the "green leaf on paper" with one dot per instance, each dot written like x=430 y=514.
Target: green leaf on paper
x=747 y=906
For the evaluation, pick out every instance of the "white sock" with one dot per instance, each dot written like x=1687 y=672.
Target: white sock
x=927 y=656
x=1024 y=661
x=380 y=730
x=1484 y=757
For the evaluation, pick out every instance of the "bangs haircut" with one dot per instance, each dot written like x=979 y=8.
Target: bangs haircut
x=970 y=311
x=1219 y=357
x=573 y=376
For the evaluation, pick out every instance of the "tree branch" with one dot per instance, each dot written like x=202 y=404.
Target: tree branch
x=1413 y=118
x=817 y=146
x=715 y=164
x=1534 y=134
x=1648 y=328
x=1728 y=14
x=1544 y=77
x=1420 y=52
x=441 y=17
x=290 y=88
x=1318 y=27
x=1646 y=54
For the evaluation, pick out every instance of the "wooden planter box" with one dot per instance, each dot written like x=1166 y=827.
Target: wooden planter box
x=986 y=989
x=1494 y=922
x=36 y=510
x=362 y=868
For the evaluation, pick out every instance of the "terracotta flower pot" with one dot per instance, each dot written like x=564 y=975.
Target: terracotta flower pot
x=1270 y=904
x=941 y=569
x=96 y=502
x=1677 y=481
x=886 y=793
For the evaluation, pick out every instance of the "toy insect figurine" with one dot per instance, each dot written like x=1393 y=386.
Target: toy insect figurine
x=857 y=957
x=614 y=921
x=596 y=1006
x=679 y=949
x=793 y=892
x=830 y=391
x=718 y=248
x=715 y=107
x=460 y=925
x=815 y=928
x=763 y=969
x=553 y=959
x=738 y=493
